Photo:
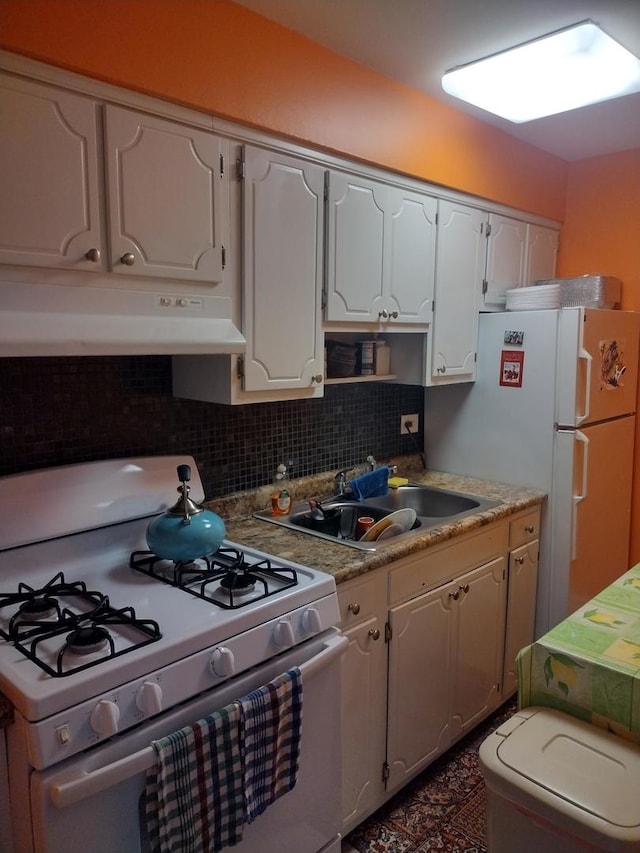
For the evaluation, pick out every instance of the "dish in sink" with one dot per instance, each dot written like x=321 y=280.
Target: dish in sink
x=403 y=518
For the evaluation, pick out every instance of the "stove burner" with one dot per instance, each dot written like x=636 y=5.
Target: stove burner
x=238 y=583
x=84 y=641
x=225 y=579
x=39 y=607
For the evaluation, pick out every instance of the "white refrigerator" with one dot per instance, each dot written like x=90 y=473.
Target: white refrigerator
x=553 y=407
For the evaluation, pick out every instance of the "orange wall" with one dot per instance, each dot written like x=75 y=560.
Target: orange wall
x=219 y=57
x=602 y=235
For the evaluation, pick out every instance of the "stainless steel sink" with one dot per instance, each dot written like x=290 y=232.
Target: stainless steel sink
x=430 y=502
x=433 y=507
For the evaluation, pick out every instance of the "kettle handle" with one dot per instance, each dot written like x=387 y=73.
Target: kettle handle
x=184 y=473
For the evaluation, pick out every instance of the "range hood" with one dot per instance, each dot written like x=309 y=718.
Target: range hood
x=66 y=320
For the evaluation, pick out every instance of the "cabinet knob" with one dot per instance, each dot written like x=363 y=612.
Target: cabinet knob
x=465 y=588
x=93 y=255
x=128 y=259
x=529 y=528
x=354 y=608
x=317 y=378
x=442 y=369
x=520 y=560
x=374 y=633
x=384 y=314
x=455 y=595
x=394 y=315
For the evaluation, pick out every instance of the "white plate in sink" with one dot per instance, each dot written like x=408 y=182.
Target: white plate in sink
x=403 y=517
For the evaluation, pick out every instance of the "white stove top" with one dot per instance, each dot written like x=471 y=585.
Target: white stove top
x=188 y=624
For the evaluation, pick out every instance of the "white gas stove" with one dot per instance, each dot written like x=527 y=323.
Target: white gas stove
x=99 y=638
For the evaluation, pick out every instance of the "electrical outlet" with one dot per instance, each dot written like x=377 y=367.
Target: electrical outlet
x=412 y=421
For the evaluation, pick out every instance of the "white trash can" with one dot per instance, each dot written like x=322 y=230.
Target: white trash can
x=556 y=784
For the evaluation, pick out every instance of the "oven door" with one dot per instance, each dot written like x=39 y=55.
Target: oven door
x=93 y=801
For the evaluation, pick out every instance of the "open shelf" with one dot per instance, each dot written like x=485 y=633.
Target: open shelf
x=343 y=380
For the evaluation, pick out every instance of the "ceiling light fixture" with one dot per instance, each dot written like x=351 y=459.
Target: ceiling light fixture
x=567 y=69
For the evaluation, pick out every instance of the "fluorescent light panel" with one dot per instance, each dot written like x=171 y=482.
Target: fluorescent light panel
x=568 y=69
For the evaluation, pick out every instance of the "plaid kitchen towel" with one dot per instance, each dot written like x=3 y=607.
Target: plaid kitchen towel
x=271 y=724
x=194 y=799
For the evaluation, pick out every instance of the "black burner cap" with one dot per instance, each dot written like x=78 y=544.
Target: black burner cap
x=39 y=606
x=238 y=582
x=83 y=641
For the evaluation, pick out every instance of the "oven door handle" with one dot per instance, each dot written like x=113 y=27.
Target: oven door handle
x=89 y=783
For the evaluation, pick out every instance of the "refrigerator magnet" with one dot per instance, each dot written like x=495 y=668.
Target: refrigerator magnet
x=511 y=368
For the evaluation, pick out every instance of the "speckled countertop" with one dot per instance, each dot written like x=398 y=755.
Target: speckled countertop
x=342 y=561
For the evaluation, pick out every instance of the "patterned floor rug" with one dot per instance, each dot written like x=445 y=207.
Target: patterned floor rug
x=443 y=809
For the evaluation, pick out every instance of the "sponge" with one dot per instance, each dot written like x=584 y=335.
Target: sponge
x=394 y=482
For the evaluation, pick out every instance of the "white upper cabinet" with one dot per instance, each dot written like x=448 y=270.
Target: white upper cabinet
x=165 y=184
x=542 y=253
x=380 y=252
x=518 y=253
x=282 y=272
x=459 y=274
x=50 y=198
x=506 y=249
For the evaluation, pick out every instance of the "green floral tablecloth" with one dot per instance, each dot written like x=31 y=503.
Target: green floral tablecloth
x=589 y=665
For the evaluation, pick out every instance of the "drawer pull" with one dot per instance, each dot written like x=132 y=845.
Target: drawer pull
x=529 y=528
x=374 y=633
x=354 y=608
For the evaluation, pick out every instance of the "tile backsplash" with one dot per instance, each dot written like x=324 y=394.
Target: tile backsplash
x=58 y=411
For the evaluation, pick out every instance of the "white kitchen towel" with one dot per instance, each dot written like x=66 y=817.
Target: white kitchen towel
x=271 y=727
x=195 y=800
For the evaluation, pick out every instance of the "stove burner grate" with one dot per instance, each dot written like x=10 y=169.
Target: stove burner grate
x=227 y=570
x=40 y=610
x=89 y=636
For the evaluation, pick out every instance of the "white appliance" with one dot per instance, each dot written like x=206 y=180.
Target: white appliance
x=73 y=759
x=553 y=407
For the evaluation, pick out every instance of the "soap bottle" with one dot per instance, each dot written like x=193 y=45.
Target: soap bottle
x=280 y=497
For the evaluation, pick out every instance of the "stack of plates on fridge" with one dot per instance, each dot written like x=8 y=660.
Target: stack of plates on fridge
x=532 y=298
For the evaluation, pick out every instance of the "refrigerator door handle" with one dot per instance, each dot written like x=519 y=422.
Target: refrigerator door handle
x=580 y=436
x=585 y=355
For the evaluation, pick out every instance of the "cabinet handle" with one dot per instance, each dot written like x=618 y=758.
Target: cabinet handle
x=128 y=259
x=465 y=588
x=388 y=315
x=93 y=255
x=441 y=369
x=374 y=633
x=455 y=595
x=317 y=378
x=529 y=528
x=520 y=560
x=354 y=608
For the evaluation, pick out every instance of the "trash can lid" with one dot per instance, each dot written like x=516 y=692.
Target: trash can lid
x=575 y=761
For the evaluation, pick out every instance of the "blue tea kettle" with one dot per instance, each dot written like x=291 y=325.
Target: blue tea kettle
x=187 y=531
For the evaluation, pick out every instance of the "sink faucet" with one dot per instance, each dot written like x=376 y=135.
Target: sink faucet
x=340 y=482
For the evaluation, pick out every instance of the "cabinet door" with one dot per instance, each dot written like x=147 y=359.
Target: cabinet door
x=50 y=198
x=412 y=252
x=506 y=248
x=521 y=609
x=282 y=262
x=355 y=240
x=459 y=271
x=421 y=666
x=165 y=183
x=542 y=252
x=364 y=697
x=479 y=641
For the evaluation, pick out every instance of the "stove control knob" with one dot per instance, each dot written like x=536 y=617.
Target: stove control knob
x=105 y=717
x=311 y=621
x=283 y=633
x=149 y=698
x=223 y=662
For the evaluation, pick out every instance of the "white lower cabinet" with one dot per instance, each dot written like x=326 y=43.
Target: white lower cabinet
x=451 y=618
x=363 y=608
